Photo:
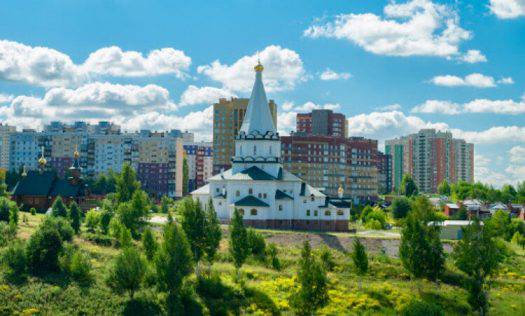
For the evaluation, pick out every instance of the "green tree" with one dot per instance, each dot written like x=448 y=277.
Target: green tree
x=173 y=260
x=125 y=239
x=134 y=213
x=14 y=259
x=213 y=233
x=498 y=223
x=43 y=249
x=508 y=193
x=59 y=208
x=478 y=255
x=74 y=216
x=5 y=209
x=126 y=183
x=149 y=244
x=239 y=248
x=360 y=259
x=13 y=215
x=193 y=222
x=92 y=220
x=461 y=214
x=165 y=204
x=313 y=291
x=185 y=176
x=444 y=188
x=421 y=250
x=105 y=218
x=127 y=272
x=408 y=186
x=400 y=207
x=256 y=244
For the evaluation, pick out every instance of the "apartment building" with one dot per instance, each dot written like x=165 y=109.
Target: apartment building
x=322 y=122
x=431 y=157
x=228 y=116
x=199 y=157
x=5 y=144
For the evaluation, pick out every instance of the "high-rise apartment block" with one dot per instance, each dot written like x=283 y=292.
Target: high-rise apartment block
x=156 y=156
x=430 y=157
x=199 y=157
x=227 y=120
x=5 y=137
x=384 y=173
x=322 y=122
x=331 y=162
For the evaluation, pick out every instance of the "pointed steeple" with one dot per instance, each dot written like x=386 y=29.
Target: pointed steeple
x=258 y=118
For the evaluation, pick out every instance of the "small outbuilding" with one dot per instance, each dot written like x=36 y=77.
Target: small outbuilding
x=451 y=229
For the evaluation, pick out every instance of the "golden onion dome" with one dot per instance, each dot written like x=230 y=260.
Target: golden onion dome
x=42 y=161
x=258 y=67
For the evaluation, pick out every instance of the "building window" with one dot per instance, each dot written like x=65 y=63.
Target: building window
x=340 y=212
x=316 y=213
x=253 y=212
x=280 y=207
x=304 y=201
x=254 y=150
x=312 y=197
x=327 y=213
x=265 y=196
x=237 y=193
x=259 y=195
x=250 y=191
x=217 y=190
x=241 y=211
x=307 y=212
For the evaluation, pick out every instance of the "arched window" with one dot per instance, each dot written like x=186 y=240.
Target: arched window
x=253 y=212
x=254 y=150
x=237 y=193
x=340 y=212
x=240 y=147
x=259 y=195
x=307 y=212
x=241 y=211
x=250 y=191
x=270 y=150
x=327 y=213
x=280 y=207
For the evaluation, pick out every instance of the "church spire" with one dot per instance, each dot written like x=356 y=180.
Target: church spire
x=258 y=118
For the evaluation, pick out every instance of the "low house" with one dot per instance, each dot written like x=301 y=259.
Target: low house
x=498 y=207
x=476 y=208
x=451 y=229
x=516 y=209
x=450 y=209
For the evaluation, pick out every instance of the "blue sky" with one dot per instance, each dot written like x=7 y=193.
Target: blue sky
x=391 y=67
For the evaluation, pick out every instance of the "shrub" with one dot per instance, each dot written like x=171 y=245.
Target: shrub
x=15 y=260
x=105 y=220
x=373 y=224
x=420 y=308
x=32 y=211
x=74 y=216
x=127 y=272
x=149 y=244
x=62 y=225
x=256 y=244
x=125 y=238
x=271 y=255
x=92 y=220
x=58 y=208
x=5 y=209
x=378 y=215
x=7 y=233
x=327 y=259
x=80 y=268
x=400 y=207
x=98 y=239
x=43 y=248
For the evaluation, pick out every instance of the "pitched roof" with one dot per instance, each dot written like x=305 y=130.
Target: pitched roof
x=35 y=183
x=251 y=200
x=258 y=118
x=64 y=188
x=280 y=195
x=255 y=173
x=340 y=203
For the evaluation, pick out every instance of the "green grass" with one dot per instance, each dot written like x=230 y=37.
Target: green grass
x=384 y=290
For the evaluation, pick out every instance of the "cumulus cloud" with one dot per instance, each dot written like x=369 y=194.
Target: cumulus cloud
x=507 y=9
x=203 y=95
x=390 y=107
x=493 y=135
x=48 y=67
x=329 y=74
x=5 y=98
x=473 y=56
x=283 y=70
x=476 y=80
x=437 y=106
x=475 y=106
x=506 y=80
x=414 y=28
x=517 y=154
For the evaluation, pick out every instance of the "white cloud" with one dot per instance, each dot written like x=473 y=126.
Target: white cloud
x=48 y=67
x=5 y=98
x=475 y=106
x=493 y=135
x=203 y=95
x=473 y=56
x=390 y=107
x=476 y=80
x=414 y=28
x=329 y=74
x=283 y=70
x=517 y=154
x=115 y=62
x=437 y=106
x=507 y=9
x=309 y=106
x=506 y=80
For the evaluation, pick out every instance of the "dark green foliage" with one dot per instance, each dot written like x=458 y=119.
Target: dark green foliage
x=125 y=239
x=400 y=207
x=239 y=247
x=99 y=239
x=133 y=214
x=498 y=223
x=185 y=176
x=444 y=188
x=359 y=257
x=74 y=216
x=256 y=244
x=218 y=297
x=59 y=208
x=421 y=308
x=364 y=213
x=6 y=206
x=461 y=214
x=105 y=219
x=375 y=219
x=7 y=233
x=516 y=226
x=13 y=215
x=32 y=211
x=272 y=256
x=173 y=261
x=193 y=221
x=212 y=231
x=149 y=244
x=165 y=204
x=92 y=220
x=478 y=255
x=43 y=249
x=14 y=260
x=408 y=186
x=327 y=259
x=62 y=225
x=313 y=292
x=127 y=272
x=140 y=306
x=126 y=183
x=421 y=250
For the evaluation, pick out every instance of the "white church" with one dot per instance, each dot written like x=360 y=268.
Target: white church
x=257 y=185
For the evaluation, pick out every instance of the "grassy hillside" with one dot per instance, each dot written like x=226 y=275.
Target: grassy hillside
x=264 y=291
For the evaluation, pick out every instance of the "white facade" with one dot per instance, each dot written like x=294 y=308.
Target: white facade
x=257 y=185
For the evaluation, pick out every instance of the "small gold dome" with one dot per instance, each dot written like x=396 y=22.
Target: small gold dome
x=258 y=67
x=76 y=154
x=42 y=161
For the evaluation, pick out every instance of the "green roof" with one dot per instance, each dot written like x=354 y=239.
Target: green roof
x=46 y=183
x=280 y=195
x=257 y=173
x=251 y=200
